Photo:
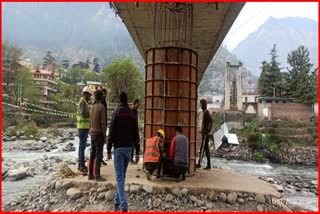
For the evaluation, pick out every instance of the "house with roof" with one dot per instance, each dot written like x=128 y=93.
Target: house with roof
x=45 y=82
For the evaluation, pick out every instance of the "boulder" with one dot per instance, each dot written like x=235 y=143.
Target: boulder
x=69 y=148
x=232 y=198
x=102 y=189
x=222 y=197
x=270 y=180
x=134 y=188
x=259 y=208
x=177 y=192
x=169 y=198
x=73 y=193
x=147 y=188
x=156 y=203
x=260 y=199
x=67 y=184
x=193 y=198
x=101 y=196
x=43 y=139
x=209 y=206
x=59 y=185
x=240 y=200
x=278 y=187
x=314 y=182
x=17 y=174
x=184 y=191
x=200 y=203
x=109 y=196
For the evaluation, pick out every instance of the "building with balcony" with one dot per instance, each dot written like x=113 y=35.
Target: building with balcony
x=44 y=80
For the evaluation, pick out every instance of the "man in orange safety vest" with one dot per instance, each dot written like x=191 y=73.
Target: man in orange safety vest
x=153 y=153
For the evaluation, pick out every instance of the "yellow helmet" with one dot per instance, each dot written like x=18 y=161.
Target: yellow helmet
x=160 y=131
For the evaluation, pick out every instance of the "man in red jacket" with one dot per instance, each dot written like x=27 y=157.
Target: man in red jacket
x=178 y=155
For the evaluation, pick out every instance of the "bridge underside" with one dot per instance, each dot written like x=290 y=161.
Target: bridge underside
x=210 y=24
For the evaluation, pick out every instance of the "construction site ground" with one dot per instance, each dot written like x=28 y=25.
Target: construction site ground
x=214 y=179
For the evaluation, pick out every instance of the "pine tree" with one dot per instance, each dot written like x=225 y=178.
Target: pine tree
x=270 y=81
x=96 y=66
x=302 y=82
x=49 y=62
x=263 y=84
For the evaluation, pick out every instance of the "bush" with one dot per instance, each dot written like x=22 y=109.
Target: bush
x=274 y=147
x=258 y=157
x=30 y=128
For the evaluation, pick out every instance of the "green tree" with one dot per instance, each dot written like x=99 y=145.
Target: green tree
x=49 y=62
x=123 y=75
x=24 y=86
x=263 y=84
x=96 y=66
x=302 y=81
x=89 y=76
x=271 y=78
x=74 y=75
x=10 y=58
x=65 y=64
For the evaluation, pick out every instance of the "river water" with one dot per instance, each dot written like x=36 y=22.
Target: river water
x=11 y=190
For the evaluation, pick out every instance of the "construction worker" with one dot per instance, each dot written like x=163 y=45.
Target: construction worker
x=98 y=136
x=205 y=131
x=179 y=155
x=104 y=102
x=154 y=154
x=83 y=125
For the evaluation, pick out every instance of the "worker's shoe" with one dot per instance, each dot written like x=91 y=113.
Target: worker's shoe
x=178 y=179
x=198 y=166
x=90 y=177
x=100 y=179
x=83 y=171
x=183 y=177
x=116 y=207
x=147 y=174
x=207 y=168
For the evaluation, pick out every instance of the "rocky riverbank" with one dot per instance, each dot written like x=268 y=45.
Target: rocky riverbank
x=13 y=169
x=66 y=195
x=292 y=155
x=293 y=184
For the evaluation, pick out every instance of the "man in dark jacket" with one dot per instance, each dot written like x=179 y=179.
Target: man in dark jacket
x=98 y=136
x=179 y=155
x=136 y=106
x=205 y=131
x=104 y=102
x=123 y=134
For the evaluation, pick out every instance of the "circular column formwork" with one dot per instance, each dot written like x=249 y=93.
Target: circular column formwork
x=171 y=95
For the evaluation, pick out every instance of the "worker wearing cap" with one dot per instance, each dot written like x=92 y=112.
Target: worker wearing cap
x=153 y=154
x=83 y=125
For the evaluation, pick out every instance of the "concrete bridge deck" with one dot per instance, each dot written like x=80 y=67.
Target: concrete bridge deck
x=214 y=179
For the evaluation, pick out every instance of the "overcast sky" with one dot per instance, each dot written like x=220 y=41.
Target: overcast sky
x=254 y=14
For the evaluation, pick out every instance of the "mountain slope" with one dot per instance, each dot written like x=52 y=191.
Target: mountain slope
x=287 y=33
x=77 y=31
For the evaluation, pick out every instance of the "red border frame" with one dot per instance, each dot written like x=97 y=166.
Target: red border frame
x=146 y=1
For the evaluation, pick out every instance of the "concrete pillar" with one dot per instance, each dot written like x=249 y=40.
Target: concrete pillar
x=227 y=88
x=239 y=87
